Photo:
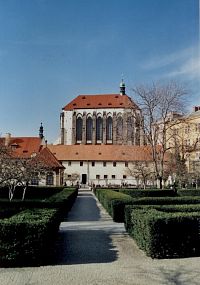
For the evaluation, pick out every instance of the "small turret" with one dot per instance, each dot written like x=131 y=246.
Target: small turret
x=122 y=88
x=41 y=130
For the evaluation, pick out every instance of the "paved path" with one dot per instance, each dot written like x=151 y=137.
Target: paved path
x=93 y=250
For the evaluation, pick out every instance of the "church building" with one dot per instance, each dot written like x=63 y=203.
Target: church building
x=101 y=136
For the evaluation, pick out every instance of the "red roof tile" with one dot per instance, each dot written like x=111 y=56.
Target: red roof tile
x=24 y=147
x=101 y=152
x=100 y=101
x=47 y=157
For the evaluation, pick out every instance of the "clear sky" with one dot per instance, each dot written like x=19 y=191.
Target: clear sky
x=53 y=50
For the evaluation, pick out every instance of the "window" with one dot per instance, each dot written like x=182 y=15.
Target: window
x=105 y=176
x=130 y=130
x=35 y=181
x=69 y=176
x=69 y=163
x=99 y=130
x=93 y=163
x=109 y=127
x=79 y=126
x=114 y=163
x=81 y=163
x=113 y=176
x=126 y=163
x=97 y=176
x=119 y=128
x=124 y=176
x=49 y=178
x=198 y=155
x=104 y=163
x=187 y=130
x=198 y=127
x=89 y=129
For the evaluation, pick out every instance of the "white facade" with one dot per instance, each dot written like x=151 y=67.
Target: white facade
x=98 y=173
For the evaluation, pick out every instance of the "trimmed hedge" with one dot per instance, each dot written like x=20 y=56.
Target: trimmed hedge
x=164 y=208
x=167 y=200
x=25 y=238
x=166 y=235
x=136 y=193
x=114 y=202
x=188 y=192
x=32 y=192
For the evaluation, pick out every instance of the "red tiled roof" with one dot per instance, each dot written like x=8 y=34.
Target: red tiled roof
x=100 y=101
x=47 y=157
x=24 y=147
x=101 y=152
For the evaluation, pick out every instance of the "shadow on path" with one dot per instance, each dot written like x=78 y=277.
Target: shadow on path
x=84 y=236
x=84 y=209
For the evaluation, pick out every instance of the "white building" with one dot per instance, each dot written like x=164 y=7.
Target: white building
x=101 y=135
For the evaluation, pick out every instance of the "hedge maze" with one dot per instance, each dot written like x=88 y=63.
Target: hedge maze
x=163 y=224
x=29 y=227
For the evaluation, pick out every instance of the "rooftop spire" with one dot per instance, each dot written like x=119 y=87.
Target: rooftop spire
x=41 y=132
x=122 y=87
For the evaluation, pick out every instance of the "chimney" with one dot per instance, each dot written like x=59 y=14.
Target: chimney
x=7 y=139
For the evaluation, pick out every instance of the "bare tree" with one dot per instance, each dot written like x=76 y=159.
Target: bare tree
x=16 y=171
x=157 y=102
x=141 y=171
x=71 y=177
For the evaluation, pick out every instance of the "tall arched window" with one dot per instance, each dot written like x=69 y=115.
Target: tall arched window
x=89 y=129
x=99 y=132
x=109 y=127
x=79 y=126
x=119 y=128
x=130 y=129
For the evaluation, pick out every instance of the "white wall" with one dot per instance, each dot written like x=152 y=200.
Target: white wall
x=99 y=169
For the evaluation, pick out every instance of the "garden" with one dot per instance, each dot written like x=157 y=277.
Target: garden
x=164 y=223
x=29 y=227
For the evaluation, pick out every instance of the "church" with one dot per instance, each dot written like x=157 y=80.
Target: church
x=101 y=136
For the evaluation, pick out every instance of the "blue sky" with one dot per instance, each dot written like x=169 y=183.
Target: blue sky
x=51 y=51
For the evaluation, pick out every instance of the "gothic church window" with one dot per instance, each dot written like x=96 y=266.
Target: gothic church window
x=79 y=126
x=89 y=129
x=99 y=132
x=109 y=127
x=119 y=128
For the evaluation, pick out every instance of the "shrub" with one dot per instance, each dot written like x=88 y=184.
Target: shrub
x=164 y=208
x=164 y=235
x=166 y=200
x=25 y=237
x=113 y=202
x=136 y=193
x=32 y=192
x=188 y=192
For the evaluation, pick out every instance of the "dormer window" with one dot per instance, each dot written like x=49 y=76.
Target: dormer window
x=14 y=146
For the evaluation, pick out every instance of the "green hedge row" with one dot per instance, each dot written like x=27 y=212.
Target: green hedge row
x=25 y=238
x=136 y=193
x=167 y=200
x=114 y=202
x=32 y=192
x=164 y=208
x=166 y=235
x=188 y=192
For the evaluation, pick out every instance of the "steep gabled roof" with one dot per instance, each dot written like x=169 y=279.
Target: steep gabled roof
x=101 y=152
x=47 y=157
x=100 y=101
x=24 y=147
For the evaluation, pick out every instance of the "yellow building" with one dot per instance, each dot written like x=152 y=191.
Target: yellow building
x=183 y=135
